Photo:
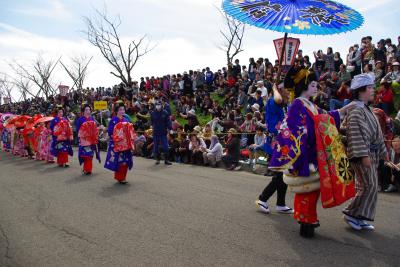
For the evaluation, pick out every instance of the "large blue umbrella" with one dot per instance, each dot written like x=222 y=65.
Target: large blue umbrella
x=318 y=17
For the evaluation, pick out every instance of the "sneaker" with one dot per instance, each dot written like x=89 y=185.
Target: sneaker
x=262 y=206
x=284 y=210
x=391 y=188
x=353 y=222
x=237 y=168
x=366 y=226
x=167 y=162
x=157 y=162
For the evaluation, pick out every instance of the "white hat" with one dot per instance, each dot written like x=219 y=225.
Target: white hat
x=256 y=107
x=260 y=83
x=192 y=112
x=361 y=80
x=395 y=64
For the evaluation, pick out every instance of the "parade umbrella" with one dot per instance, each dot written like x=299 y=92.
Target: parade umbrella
x=311 y=17
x=21 y=121
x=32 y=122
x=10 y=122
x=44 y=119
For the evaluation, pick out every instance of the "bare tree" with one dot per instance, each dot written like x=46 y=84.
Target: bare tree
x=77 y=71
x=102 y=32
x=233 y=35
x=6 y=86
x=39 y=73
x=24 y=87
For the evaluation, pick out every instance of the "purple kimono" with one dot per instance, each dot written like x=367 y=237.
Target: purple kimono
x=114 y=159
x=296 y=146
x=86 y=151
x=59 y=146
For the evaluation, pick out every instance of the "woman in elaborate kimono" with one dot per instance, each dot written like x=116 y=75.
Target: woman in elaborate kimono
x=120 y=148
x=46 y=140
x=62 y=137
x=365 y=147
x=18 y=143
x=88 y=136
x=37 y=135
x=295 y=153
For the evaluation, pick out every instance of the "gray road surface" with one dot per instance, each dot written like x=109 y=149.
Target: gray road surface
x=170 y=216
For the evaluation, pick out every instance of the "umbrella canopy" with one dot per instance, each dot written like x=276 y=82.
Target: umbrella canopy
x=44 y=119
x=10 y=122
x=21 y=121
x=315 y=17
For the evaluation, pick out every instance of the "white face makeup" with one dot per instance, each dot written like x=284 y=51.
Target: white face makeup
x=312 y=89
x=60 y=113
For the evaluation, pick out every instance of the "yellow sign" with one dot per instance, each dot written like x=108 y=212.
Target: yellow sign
x=100 y=105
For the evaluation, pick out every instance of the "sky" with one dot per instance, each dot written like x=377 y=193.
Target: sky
x=185 y=33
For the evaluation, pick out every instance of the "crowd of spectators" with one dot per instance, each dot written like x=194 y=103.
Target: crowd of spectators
x=231 y=99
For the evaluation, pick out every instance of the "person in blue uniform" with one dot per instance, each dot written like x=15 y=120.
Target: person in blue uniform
x=161 y=123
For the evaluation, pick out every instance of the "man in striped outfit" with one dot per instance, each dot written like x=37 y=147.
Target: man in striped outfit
x=365 y=148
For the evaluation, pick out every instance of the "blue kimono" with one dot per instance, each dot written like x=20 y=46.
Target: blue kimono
x=114 y=159
x=86 y=151
x=59 y=146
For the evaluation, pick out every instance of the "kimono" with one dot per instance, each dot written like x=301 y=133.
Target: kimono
x=118 y=162
x=44 y=145
x=28 y=138
x=295 y=154
x=18 y=143
x=6 y=139
x=88 y=136
x=61 y=140
x=364 y=139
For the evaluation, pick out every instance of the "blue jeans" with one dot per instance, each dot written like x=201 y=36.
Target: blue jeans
x=335 y=104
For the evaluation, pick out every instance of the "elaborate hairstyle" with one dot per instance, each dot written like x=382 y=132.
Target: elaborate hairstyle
x=117 y=105
x=84 y=106
x=58 y=108
x=299 y=80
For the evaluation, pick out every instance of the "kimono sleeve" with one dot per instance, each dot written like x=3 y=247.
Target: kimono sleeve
x=111 y=128
x=290 y=150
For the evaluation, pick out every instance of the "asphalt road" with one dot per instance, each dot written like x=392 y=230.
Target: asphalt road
x=170 y=216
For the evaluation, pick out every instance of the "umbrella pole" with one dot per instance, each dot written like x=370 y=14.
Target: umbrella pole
x=278 y=76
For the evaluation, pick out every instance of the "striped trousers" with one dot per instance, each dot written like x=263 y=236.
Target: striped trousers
x=363 y=205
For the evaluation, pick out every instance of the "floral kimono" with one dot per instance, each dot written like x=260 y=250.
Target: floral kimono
x=295 y=154
x=61 y=142
x=88 y=136
x=118 y=160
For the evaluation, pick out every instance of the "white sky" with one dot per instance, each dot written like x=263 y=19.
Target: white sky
x=186 y=34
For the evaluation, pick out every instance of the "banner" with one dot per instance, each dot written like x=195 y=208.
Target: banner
x=291 y=49
x=63 y=89
x=100 y=105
